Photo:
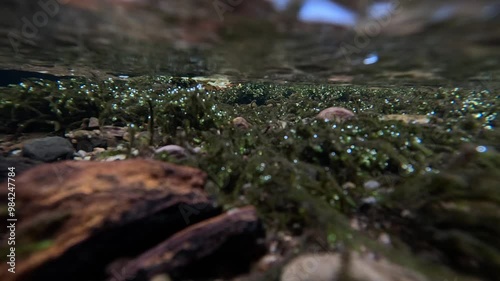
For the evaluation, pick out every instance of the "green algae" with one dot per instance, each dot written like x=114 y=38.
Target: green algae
x=455 y=212
x=36 y=235
x=296 y=169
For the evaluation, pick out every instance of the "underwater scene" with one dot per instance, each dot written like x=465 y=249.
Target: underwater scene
x=245 y=140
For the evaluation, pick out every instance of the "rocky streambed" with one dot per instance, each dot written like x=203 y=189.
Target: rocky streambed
x=160 y=178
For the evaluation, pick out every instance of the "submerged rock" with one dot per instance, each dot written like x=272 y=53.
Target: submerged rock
x=336 y=114
x=371 y=184
x=241 y=123
x=48 y=149
x=79 y=216
x=178 y=152
x=87 y=140
x=313 y=267
x=351 y=266
x=93 y=123
x=220 y=246
x=21 y=164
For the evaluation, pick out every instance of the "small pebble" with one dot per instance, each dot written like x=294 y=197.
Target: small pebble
x=313 y=267
x=266 y=262
x=116 y=158
x=384 y=238
x=369 y=200
x=98 y=150
x=82 y=153
x=161 y=277
x=348 y=185
x=371 y=184
x=171 y=148
x=241 y=123
x=405 y=213
x=93 y=123
x=174 y=150
x=336 y=114
x=355 y=224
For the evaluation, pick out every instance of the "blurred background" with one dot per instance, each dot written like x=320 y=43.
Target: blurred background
x=362 y=41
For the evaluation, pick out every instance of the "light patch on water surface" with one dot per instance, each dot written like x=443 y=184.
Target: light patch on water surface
x=481 y=149
x=280 y=5
x=323 y=11
x=380 y=10
x=371 y=59
x=443 y=13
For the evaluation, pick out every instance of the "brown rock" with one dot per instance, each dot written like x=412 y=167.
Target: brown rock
x=336 y=114
x=90 y=123
x=113 y=131
x=82 y=215
x=220 y=246
x=93 y=123
x=241 y=123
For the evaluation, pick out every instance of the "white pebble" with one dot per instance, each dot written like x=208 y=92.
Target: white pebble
x=371 y=184
x=82 y=153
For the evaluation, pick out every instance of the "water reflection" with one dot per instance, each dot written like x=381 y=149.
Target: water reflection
x=281 y=5
x=292 y=40
x=371 y=59
x=324 y=11
x=380 y=9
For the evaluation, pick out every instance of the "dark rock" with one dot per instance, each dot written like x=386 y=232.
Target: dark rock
x=48 y=149
x=220 y=246
x=87 y=140
x=84 y=145
x=99 y=142
x=80 y=216
x=21 y=164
